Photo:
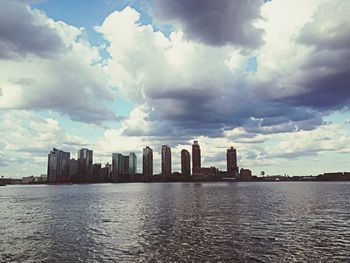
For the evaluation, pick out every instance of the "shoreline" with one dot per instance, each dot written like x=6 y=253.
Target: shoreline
x=189 y=181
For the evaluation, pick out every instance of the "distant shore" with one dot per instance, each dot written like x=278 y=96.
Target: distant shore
x=335 y=177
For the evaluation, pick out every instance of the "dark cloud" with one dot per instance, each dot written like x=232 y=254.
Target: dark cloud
x=21 y=34
x=218 y=23
x=212 y=111
x=326 y=78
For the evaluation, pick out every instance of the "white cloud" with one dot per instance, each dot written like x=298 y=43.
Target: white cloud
x=68 y=80
x=26 y=138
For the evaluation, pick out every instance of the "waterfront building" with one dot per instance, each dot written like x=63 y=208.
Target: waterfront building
x=85 y=159
x=58 y=166
x=108 y=167
x=196 y=157
x=28 y=180
x=245 y=175
x=231 y=158
x=185 y=163
x=124 y=167
x=103 y=174
x=166 y=160
x=116 y=160
x=206 y=172
x=132 y=163
x=120 y=165
x=73 y=170
x=95 y=172
x=147 y=161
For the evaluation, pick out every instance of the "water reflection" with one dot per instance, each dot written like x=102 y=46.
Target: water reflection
x=175 y=222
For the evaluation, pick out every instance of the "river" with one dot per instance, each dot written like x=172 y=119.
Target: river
x=176 y=222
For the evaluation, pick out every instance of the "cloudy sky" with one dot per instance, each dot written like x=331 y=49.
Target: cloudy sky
x=270 y=78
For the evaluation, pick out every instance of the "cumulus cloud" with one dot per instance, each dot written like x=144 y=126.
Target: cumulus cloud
x=305 y=63
x=185 y=88
x=33 y=134
x=68 y=79
x=217 y=23
x=26 y=138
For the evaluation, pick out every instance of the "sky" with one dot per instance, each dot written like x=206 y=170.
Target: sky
x=270 y=78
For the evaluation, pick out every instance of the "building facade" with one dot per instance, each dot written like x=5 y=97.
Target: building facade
x=85 y=159
x=231 y=158
x=185 y=163
x=206 y=172
x=245 y=175
x=58 y=166
x=166 y=160
x=147 y=161
x=116 y=160
x=196 y=157
x=73 y=170
x=132 y=163
x=120 y=165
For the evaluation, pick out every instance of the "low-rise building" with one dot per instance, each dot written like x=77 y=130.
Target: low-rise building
x=245 y=175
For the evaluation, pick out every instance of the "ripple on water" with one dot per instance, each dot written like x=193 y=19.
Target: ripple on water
x=224 y=222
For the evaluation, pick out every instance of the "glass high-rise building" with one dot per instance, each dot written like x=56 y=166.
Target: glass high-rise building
x=147 y=161
x=196 y=157
x=132 y=163
x=116 y=162
x=58 y=166
x=166 y=160
x=85 y=159
x=120 y=165
x=185 y=163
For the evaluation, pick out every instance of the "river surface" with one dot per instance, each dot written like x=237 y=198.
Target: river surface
x=176 y=222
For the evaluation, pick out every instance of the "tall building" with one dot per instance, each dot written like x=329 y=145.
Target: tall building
x=108 y=167
x=124 y=167
x=132 y=163
x=231 y=158
x=185 y=163
x=73 y=170
x=147 y=161
x=166 y=160
x=196 y=157
x=58 y=166
x=85 y=158
x=120 y=165
x=116 y=162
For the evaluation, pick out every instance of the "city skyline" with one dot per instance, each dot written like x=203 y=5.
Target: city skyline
x=122 y=165
x=267 y=77
x=123 y=168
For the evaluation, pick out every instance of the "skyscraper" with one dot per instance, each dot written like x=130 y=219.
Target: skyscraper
x=166 y=160
x=73 y=170
x=196 y=157
x=108 y=166
x=231 y=158
x=185 y=163
x=120 y=165
x=132 y=163
x=58 y=166
x=147 y=161
x=124 y=167
x=116 y=162
x=85 y=158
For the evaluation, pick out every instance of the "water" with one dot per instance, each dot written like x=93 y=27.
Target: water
x=176 y=222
